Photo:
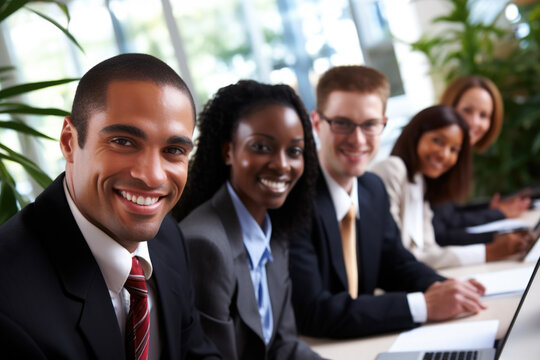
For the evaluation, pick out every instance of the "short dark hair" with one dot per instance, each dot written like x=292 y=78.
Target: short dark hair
x=459 y=86
x=454 y=184
x=91 y=94
x=217 y=125
x=356 y=78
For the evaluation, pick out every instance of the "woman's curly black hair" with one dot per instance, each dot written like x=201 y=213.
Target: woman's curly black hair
x=218 y=122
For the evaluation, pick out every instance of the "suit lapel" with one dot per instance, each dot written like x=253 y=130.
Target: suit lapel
x=99 y=323
x=327 y=217
x=364 y=248
x=168 y=294
x=245 y=300
x=276 y=273
x=78 y=272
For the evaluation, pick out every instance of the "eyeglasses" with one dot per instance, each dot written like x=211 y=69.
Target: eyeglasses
x=345 y=126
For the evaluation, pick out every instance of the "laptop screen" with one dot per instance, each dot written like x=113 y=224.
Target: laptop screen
x=523 y=337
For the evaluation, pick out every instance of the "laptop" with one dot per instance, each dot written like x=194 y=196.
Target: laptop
x=520 y=342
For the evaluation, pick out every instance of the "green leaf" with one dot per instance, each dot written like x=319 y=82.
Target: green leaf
x=37 y=174
x=23 y=128
x=62 y=7
x=6 y=68
x=28 y=87
x=63 y=29
x=30 y=110
x=8 y=202
x=10 y=6
x=535 y=148
x=9 y=196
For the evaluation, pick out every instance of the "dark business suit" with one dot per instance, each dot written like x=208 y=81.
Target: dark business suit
x=320 y=292
x=54 y=300
x=224 y=291
x=450 y=221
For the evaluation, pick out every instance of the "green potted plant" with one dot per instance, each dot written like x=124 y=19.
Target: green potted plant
x=510 y=57
x=11 y=110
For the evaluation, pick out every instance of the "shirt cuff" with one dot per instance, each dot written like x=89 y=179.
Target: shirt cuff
x=417 y=306
x=471 y=254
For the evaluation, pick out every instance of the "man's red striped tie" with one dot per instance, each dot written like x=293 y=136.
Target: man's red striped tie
x=138 y=320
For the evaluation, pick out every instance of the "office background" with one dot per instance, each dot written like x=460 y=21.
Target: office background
x=213 y=43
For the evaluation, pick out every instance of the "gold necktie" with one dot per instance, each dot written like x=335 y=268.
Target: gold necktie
x=348 y=241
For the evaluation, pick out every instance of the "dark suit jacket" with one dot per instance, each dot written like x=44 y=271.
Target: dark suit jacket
x=54 y=301
x=450 y=221
x=320 y=298
x=224 y=291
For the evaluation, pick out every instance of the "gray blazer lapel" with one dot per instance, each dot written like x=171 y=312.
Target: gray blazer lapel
x=245 y=301
x=277 y=275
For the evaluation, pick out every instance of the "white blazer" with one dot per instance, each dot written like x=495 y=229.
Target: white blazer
x=405 y=207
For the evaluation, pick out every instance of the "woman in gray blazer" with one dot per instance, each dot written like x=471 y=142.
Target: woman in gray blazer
x=250 y=183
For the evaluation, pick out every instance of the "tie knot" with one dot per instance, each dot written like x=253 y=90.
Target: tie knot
x=350 y=215
x=136 y=283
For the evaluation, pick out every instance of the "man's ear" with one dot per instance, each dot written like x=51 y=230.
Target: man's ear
x=316 y=120
x=226 y=152
x=68 y=139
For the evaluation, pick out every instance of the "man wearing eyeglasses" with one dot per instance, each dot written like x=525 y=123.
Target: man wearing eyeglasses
x=353 y=246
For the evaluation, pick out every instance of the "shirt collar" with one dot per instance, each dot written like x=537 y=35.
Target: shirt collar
x=414 y=210
x=256 y=239
x=340 y=198
x=417 y=188
x=113 y=259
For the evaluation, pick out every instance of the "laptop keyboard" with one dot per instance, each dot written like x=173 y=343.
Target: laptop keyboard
x=451 y=355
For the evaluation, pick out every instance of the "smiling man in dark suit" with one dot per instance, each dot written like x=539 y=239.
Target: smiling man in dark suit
x=103 y=225
x=336 y=264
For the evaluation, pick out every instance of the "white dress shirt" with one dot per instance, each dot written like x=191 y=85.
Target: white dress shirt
x=115 y=262
x=342 y=202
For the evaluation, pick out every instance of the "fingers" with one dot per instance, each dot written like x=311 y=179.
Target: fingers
x=469 y=293
x=519 y=242
x=528 y=239
x=480 y=288
x=473 y=306
x=508 y=245
x=453 y=297
x=512 y=207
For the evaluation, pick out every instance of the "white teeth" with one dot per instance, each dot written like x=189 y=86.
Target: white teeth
x=436 y=164
x=139 y=199
x=274 y=185
x=348 y=153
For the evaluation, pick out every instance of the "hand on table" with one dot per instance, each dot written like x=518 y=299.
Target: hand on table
x=509 y=244
x=453 y=297
x=513 y=206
